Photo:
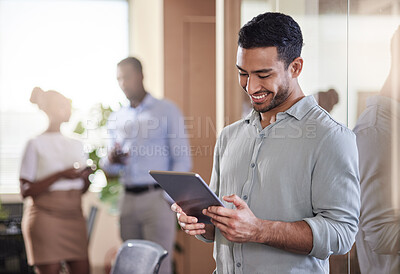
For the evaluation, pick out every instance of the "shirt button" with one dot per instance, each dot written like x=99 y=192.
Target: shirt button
x=238 y=264
x=245 y=197
x=253 y=165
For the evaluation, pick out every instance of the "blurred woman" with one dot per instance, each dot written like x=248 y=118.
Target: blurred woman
x=53 y=225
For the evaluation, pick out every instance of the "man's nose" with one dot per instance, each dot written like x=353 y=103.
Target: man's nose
x=253 y=85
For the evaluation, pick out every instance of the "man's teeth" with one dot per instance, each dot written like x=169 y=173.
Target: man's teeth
x=259 y=97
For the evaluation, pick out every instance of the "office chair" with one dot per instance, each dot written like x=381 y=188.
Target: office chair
x=139 y=257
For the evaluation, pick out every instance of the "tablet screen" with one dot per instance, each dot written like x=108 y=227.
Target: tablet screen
x=189 y=191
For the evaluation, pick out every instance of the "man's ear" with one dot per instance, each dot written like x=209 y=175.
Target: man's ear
x=296 y=67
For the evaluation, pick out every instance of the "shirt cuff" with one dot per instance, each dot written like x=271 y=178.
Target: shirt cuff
x=321 y=248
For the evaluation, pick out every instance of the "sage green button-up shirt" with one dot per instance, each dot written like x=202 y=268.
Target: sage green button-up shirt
x=304 y=166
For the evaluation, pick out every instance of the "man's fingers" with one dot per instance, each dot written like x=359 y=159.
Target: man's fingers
x=187 y=219
x=221 y=226
x=235 y=200
x=221 y=211
x=176 y=208
x=195 y=232
x=218 y=218
x=187 y=226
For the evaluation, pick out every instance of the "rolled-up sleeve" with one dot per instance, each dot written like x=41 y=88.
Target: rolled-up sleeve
x=335 y=194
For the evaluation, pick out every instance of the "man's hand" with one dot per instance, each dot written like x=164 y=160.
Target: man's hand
x=237 y=225
x=117 y=155
x=188 y=224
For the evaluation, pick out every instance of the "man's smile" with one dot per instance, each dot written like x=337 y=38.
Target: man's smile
x=259 y=97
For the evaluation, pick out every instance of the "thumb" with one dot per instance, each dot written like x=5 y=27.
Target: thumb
x=239 y=203
x=177 y=209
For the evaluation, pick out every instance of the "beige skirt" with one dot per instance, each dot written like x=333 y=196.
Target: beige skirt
x=54 y=228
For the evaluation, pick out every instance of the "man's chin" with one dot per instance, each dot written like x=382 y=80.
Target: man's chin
x=261 y=108
x=130 y=97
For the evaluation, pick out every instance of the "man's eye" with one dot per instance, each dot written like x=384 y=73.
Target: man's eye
x=263 y=76
x=243 y=74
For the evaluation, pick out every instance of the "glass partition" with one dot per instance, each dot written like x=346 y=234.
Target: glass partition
x=350 y=55
x=374 y=95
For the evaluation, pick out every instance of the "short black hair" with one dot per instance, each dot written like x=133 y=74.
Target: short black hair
x=133 y=61
x=273 y=29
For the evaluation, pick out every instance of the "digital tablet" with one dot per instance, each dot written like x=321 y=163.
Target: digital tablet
x=189 y=191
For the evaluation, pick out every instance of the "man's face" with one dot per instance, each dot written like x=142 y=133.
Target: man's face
x=263 y=77
x=130 y=80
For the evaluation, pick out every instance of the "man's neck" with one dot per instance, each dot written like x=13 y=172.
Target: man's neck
x=138 y=99
x=269 y=117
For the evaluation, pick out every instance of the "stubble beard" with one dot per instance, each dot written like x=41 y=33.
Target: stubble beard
x=280 y=97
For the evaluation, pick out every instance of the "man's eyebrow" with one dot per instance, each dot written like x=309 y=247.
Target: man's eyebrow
x=257 y=71
x=240 y=68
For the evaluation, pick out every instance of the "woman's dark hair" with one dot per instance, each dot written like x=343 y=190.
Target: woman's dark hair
x=273 y=29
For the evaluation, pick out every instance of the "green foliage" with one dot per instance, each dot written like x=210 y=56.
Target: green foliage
x=79 y=129
x=110 y=193
x=94 y=156
x=105 y=113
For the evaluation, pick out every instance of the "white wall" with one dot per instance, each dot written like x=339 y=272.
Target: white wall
x=146 y=43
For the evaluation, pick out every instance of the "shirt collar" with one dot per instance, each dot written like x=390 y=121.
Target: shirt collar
x=302 y=107
x=147 y=102
x=251 y=116
x=298 y=110
x=386 y=103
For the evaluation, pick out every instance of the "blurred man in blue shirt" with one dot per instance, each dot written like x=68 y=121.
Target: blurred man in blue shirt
x=148 y=134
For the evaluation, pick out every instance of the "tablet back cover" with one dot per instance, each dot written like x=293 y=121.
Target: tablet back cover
x=189 y=191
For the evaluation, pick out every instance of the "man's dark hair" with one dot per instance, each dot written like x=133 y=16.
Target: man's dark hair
x=273 y=29
x=134 y=62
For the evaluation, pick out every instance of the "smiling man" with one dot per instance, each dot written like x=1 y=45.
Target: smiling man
x=288 y=172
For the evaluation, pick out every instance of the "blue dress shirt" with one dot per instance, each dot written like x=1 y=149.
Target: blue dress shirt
x=154 y=135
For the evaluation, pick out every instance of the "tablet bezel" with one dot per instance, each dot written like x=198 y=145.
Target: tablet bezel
x=177 y=193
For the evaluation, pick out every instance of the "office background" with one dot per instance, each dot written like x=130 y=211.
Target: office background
x=188 y=49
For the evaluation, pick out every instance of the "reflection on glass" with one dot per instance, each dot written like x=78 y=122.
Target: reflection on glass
x=346 y=49
x=373 y=90
x=377 y=130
